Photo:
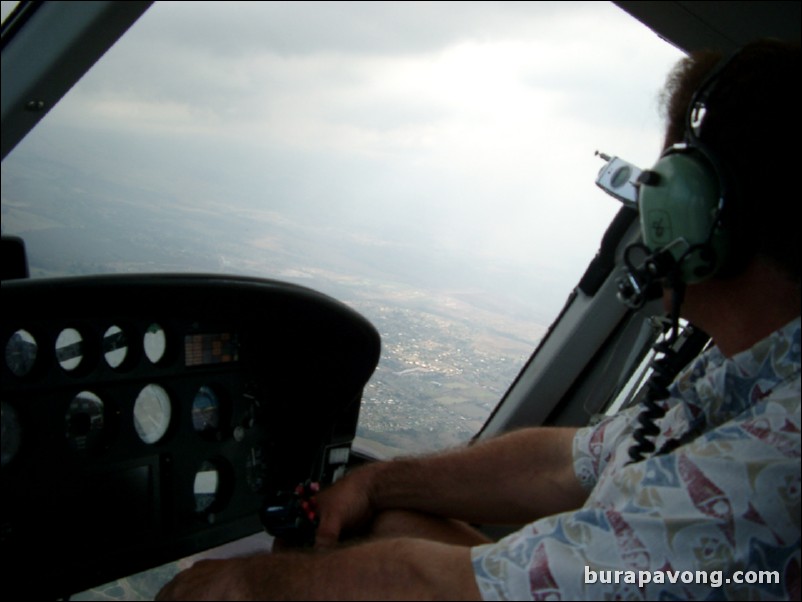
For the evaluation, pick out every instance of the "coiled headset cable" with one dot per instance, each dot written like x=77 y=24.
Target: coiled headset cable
x=672 y=353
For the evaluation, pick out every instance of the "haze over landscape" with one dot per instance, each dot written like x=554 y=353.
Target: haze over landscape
x=450 y=347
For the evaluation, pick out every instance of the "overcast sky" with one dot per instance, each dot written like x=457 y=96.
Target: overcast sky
x=468 y=126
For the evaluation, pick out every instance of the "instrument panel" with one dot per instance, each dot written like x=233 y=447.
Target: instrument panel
x=146 y=418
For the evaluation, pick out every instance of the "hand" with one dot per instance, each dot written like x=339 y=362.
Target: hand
x=346 y=507
x=210 y=580
x=391 y=569
x=258 y=577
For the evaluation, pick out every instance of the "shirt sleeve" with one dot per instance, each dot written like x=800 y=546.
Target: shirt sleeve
x=521 y=566
x=596 y=446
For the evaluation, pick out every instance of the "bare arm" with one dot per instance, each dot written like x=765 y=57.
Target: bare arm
x=514 y=478
x=408 y=569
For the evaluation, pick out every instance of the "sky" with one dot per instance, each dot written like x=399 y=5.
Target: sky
x=465 y=129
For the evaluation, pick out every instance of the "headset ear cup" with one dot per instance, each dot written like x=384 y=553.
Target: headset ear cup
x=680 y=211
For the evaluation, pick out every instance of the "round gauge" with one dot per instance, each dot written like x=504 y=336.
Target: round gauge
x=21 y=352
x=206 y=487
x=85 y=421
x=115 y=346
x=152 y=411
x=69 y=349
x=155 y=343
x=205 y=411
x=11 y=433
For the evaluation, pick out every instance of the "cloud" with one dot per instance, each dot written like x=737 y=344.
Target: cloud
x=367 y=28
x=469 y=127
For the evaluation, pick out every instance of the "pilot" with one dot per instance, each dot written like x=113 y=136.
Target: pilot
x=711 y=509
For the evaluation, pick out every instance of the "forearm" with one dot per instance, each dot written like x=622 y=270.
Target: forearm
x=514 y=478
x=395 y=569
x=408 y=569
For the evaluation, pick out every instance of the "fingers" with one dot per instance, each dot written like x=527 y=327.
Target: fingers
x=328 y=535
x=345 y=509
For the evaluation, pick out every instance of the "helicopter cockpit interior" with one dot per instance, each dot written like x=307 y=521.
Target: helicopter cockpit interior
x=147 y=417
x=188 y=406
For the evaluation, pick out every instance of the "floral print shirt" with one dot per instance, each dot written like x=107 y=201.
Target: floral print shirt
x=696 y=523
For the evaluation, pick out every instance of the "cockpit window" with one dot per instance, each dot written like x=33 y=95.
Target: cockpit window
x=7 y=9
x=430 y=164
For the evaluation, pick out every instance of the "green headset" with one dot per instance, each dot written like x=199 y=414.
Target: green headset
x=687 y=209
x=685 y=198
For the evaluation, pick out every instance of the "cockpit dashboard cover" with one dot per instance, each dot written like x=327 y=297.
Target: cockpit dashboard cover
x=146 y=418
